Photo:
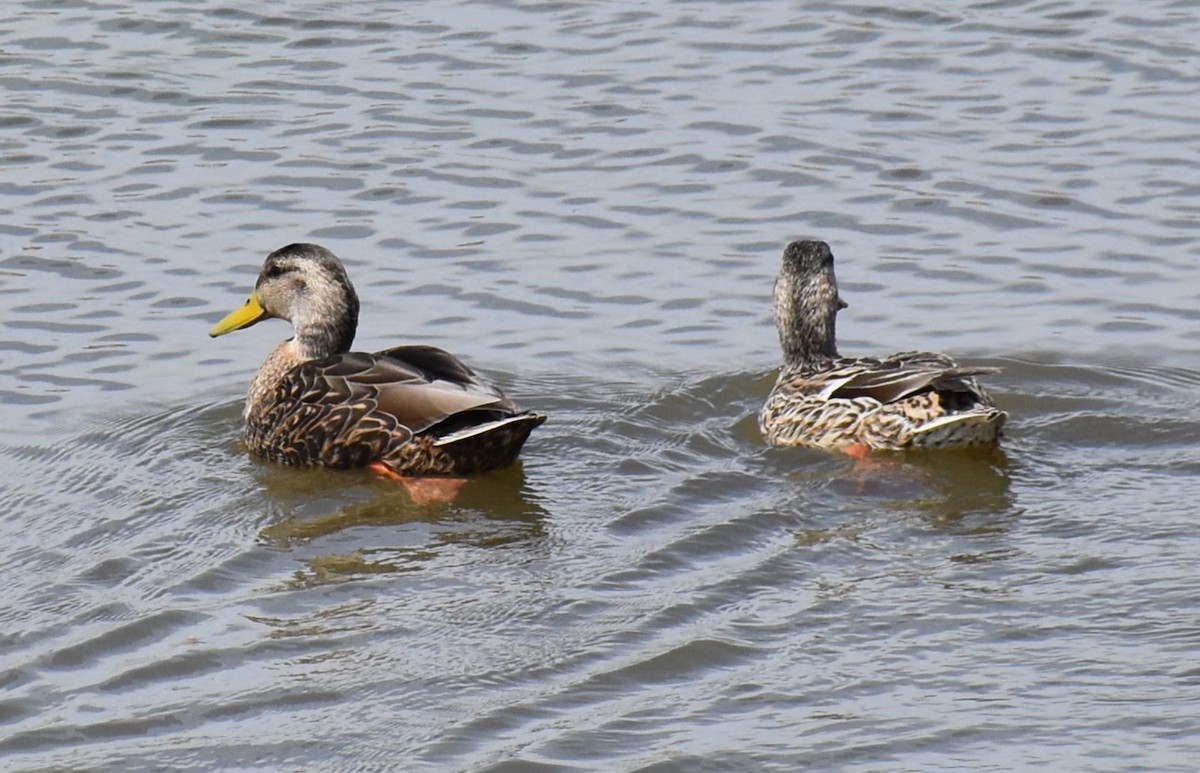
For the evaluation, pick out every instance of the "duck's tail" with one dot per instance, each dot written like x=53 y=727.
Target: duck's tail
x=516 y=428
x=489 y=445
x=981 y=426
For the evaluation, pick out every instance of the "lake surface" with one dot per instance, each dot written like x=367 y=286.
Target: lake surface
x=587 y=203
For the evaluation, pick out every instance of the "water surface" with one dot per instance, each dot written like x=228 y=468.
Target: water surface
x=588 y=204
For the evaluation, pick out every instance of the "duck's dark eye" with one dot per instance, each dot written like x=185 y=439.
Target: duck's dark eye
x=275 y=270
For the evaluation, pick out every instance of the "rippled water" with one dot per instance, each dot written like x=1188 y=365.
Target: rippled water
x=588 y=203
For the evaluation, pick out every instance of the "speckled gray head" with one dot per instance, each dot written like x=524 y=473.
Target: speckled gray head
x=298 y=270
x=307 y=285
x=806 y=302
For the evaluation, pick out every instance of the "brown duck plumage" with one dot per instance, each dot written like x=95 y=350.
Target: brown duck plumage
x=417 y=409
x=824 y=400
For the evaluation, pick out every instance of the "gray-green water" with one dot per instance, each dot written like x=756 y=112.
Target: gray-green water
x=587 y=202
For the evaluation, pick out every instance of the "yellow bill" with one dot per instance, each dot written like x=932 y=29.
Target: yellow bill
x=244 y=316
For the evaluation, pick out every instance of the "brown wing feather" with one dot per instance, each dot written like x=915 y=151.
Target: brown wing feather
x=435 y=363
x=898 y=376
x=891 y=387
x=418 y=397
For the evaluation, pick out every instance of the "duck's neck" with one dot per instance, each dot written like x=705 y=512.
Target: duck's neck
x=313 y=341
x=325 y=326
x=317 y=341
x=807 y=342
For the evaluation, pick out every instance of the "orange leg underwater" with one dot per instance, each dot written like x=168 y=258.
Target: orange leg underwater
x=859 y=451
x=424 y=491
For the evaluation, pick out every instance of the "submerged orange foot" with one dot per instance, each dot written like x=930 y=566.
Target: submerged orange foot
x=866 y=468
x=887 y=469
x=859 y=451
x=424 y=491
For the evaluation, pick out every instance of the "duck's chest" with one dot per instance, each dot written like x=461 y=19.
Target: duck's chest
x=267 y=383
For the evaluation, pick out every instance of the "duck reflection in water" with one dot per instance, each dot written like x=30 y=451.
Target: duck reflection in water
x=370 y=527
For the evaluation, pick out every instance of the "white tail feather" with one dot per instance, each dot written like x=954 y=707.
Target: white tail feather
x=480 y=429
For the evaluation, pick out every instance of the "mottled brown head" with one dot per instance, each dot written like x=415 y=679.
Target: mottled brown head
x=806 y=303
x=307 y=285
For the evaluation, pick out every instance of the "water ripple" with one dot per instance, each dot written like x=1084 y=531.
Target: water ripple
x=588 y=204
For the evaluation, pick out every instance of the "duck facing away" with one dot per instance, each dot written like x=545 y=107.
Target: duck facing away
x=824 y=400
x=415 y=410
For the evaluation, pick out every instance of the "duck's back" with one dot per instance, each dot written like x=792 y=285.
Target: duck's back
x=418 y=409
x=906 y=400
